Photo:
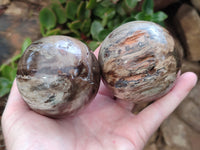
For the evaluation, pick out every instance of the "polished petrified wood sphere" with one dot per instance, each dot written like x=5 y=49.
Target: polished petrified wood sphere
x=57 y=75
x=139 y=61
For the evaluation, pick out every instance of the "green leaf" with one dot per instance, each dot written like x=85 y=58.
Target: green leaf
x=102 y=35
x=105 y=13
x=71 y=9
x=9 y=72
x=75 y=33
x=162 y=23
x=2 y=67
x=95 y=29
x=120 y=10
x=93 y=45
x=63 y=1
x=128 y=19
x=5 y=86
x=159 y=16
x=64 y=32
x=56 y=31
x=27 y=42
x=147 y=6
x=85 y=27
x=87 y=14
x=74 y=25
x=107 y=3
x=133 y=14
x=15 y=58
x=99 y=11
x=114 y=1
x=143 y=16
x=104 y=21
x=82 y=12
x=42 y=30
x=60 y=12
x=47 y=18
x=131 y=3
x=126 y=8
x=115 y=22
x=108 y=15
x=91 y=4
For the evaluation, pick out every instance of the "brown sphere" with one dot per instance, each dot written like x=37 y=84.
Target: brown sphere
x=58 y=75
x=139 y=61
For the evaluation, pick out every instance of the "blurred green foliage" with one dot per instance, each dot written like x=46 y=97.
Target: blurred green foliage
x=8 y=70
x=92 y=20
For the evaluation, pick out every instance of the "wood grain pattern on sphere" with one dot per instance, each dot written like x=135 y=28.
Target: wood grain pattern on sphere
x=58 y=75
x=139 y=61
